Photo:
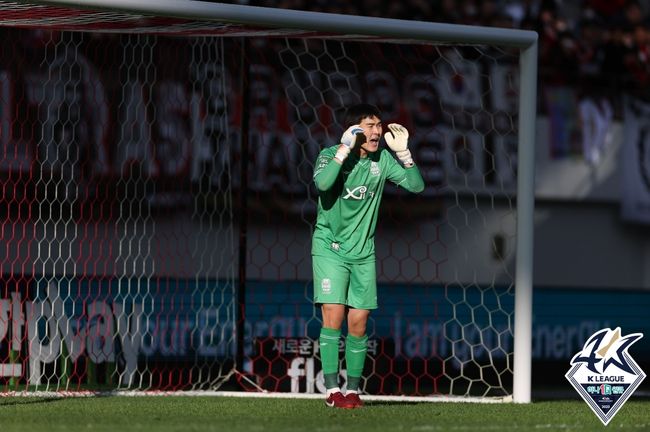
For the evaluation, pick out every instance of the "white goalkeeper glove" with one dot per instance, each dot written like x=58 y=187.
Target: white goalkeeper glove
x=351 y=137
x=397 y=139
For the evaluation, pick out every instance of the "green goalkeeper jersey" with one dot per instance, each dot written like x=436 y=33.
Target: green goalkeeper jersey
x=348 y=203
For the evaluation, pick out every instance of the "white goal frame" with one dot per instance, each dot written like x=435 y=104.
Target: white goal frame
x=413 y=31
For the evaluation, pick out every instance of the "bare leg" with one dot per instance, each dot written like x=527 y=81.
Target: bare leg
x=333 y=315
x=357 y=321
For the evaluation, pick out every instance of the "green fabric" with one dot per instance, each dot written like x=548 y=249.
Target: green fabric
x=355 y=357
x=331 y=380
x=414 y=181
x=349 y=199
x=326 y=172
x=338 y=282
x=353 y=383
x=329 y=351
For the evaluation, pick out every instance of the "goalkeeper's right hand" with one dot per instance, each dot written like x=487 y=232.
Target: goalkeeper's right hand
x=351 y=137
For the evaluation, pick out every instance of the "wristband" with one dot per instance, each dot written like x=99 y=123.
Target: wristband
x=405 y=157
x=342 y=153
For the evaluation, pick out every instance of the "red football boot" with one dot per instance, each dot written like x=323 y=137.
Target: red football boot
x=337 y=400
x=354 y=399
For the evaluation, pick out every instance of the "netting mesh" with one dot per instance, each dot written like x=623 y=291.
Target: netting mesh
x=445 y=257
x=119 y=256
x=122 y=207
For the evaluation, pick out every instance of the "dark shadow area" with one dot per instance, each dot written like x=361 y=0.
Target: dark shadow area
x=28 y=400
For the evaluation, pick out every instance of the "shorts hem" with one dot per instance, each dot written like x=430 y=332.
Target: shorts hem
x=363 y=307
x=320 y=303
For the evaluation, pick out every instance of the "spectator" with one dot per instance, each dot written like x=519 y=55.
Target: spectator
x=637 y=57
x=590 y=50
x=605 y=9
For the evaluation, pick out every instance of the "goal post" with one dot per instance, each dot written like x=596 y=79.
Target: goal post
x=126 y=282
x=525 y=226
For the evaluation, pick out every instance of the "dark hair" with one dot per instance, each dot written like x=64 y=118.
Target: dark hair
x=358 y=112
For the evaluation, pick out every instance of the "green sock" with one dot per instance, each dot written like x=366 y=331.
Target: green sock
x=355 y=357
x=329 y=355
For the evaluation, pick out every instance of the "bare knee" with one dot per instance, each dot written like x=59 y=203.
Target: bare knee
x=333 y=315
x=357 y=322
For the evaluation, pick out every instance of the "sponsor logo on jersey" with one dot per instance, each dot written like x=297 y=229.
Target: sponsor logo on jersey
x=604 y=373
x=358 y=193
x=374 y=168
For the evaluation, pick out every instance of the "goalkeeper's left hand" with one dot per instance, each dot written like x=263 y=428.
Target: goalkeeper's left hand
x=397 y=139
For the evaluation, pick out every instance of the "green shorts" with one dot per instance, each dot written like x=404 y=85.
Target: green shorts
x=338 y=282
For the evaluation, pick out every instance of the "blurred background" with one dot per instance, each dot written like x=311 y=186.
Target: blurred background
x=125 y=178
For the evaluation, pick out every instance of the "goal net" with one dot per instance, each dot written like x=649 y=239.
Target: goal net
x=148 y=246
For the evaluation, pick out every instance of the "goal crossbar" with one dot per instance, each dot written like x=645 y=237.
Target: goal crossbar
x=316 y=23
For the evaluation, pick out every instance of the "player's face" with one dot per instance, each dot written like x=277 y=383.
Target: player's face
x=372 y=130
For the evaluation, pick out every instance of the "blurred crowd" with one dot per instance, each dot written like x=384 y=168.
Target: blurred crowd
x=586 y=43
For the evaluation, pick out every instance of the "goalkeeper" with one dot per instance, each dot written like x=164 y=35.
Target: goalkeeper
x=350 y=178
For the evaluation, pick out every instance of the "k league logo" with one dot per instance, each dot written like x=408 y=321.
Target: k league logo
x=604 y=373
